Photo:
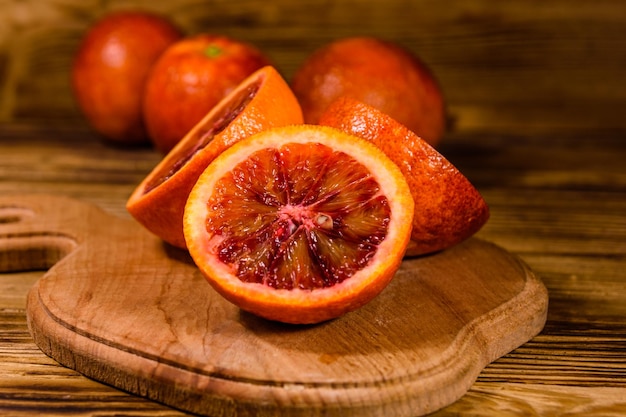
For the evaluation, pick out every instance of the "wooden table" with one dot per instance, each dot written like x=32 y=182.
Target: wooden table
x=558 y=200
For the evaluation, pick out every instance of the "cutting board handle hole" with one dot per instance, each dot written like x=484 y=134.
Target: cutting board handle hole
x=34 y=252
x=13 y=214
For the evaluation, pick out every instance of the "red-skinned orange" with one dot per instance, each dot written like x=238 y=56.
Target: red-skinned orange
x=191 y=77
x=380 y=73
x=110 y=69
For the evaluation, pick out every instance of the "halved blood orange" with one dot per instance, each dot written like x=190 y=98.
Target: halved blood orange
x=448 y=208
x=299 y=224
x=261 y=101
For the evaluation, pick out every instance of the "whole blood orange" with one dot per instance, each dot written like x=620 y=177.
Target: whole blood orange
x=448 y=208
x=191 y=77
x=110 y=69
x=379 y=73
x=260 y=102
x=299 y=224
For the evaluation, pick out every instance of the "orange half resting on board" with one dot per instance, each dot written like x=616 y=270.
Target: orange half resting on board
x=448 y=208
x=262 y=101
x=299 y=224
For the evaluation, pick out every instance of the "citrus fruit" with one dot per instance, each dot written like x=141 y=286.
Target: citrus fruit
x=191 y=77
x=377 y=72
x=299 y=224
x=110 y=68
x=448 y=208
x=261 y=101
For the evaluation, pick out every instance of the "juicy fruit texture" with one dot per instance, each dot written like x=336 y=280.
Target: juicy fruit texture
x=376 y=72
x=281 y=236
x=260 y=102
x=299 y=224
x=110 y=69
x=448 y=209
x=189 y=79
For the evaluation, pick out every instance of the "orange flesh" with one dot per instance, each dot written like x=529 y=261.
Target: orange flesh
x=302 y=216
x=206 y=133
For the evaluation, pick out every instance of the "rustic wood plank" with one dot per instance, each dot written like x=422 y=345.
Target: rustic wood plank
x=71 y=161
x=536 y=400
x=13 y=288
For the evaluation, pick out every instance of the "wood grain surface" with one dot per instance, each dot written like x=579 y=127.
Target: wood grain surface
x=121 y=307
x=557 y=201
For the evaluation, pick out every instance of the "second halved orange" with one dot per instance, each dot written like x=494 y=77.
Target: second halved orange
x=448 y=208
x=262 y=101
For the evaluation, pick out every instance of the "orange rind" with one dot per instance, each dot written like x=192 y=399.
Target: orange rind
x=448 y=208
x=260 y=102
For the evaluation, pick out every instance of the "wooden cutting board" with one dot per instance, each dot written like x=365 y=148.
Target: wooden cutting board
x=121 y=307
